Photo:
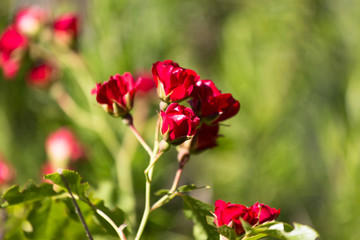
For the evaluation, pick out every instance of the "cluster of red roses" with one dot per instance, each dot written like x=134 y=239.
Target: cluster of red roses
x=200 y=122
x=174 y=84
x=32 y=25
x=229 y=214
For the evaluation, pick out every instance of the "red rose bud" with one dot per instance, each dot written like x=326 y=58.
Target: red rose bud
x=173 y=82
x=12 y=43
x=265 y=213
x=40 y=76
x=62 y=146
x=66 y=29
x=212 y=105
x=29 y=20
x=205 y=138
x=178 y=123
x=7 y=173
x=230 y=214
x=116 y=95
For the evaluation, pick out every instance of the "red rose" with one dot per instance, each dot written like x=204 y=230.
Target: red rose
x=178 y=123
x=29 y=20
x=117 y=94
x=173 y=82
x=205 y=138
x=265 y=213
x=66 y=28
x=11 y=45
x=229 y=214
x=40 y=76
x=212 y=105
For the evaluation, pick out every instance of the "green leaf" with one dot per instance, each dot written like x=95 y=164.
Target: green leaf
x=30 y=192
x=227 y=232
x=77 y=187
x=181 y=189
x=198 y=211
x=188 y=188
x=210 y=221
x=72 y=178
x=42 y=218
x=299 y=232
x=161 y=192
x=246 y=226
x=281 y=231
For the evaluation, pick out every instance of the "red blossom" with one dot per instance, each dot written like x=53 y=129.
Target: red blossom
x=230 y=214
x=66 y=28
x=173 y=82
x=11 y=44
x=178 y=123
x=144 y=84
x=40 y=75
x=211 y=105
x=205 y=138
x=117 y=94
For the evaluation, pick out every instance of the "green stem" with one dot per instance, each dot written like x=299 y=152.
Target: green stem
x=77 y=208
x=174 y=186
x=3 y=217
x=155 y=154
x=116 y=228
x=138 y=136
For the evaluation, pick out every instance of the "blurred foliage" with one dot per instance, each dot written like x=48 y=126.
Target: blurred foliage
x=294 y=66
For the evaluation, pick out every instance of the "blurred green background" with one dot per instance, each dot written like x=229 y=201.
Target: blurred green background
x=293 y=65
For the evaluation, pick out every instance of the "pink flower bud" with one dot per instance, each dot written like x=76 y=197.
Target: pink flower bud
x=205 y=138
x=62 y=146
x=211 y=105
x=173 y=82
x=40 y=75
x=29 y=20
x=178 y=123
x=116 y=95
x=66 y=28
x=230 y=214
x=7 y=173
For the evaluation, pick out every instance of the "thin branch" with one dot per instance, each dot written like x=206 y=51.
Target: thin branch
x=148 y=184
x=116 y=228
x=140 y=139
x=3 y=217
x=164 y=199
x=77 y=208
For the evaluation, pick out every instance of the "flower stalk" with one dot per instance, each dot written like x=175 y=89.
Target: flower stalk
x=76 y=206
